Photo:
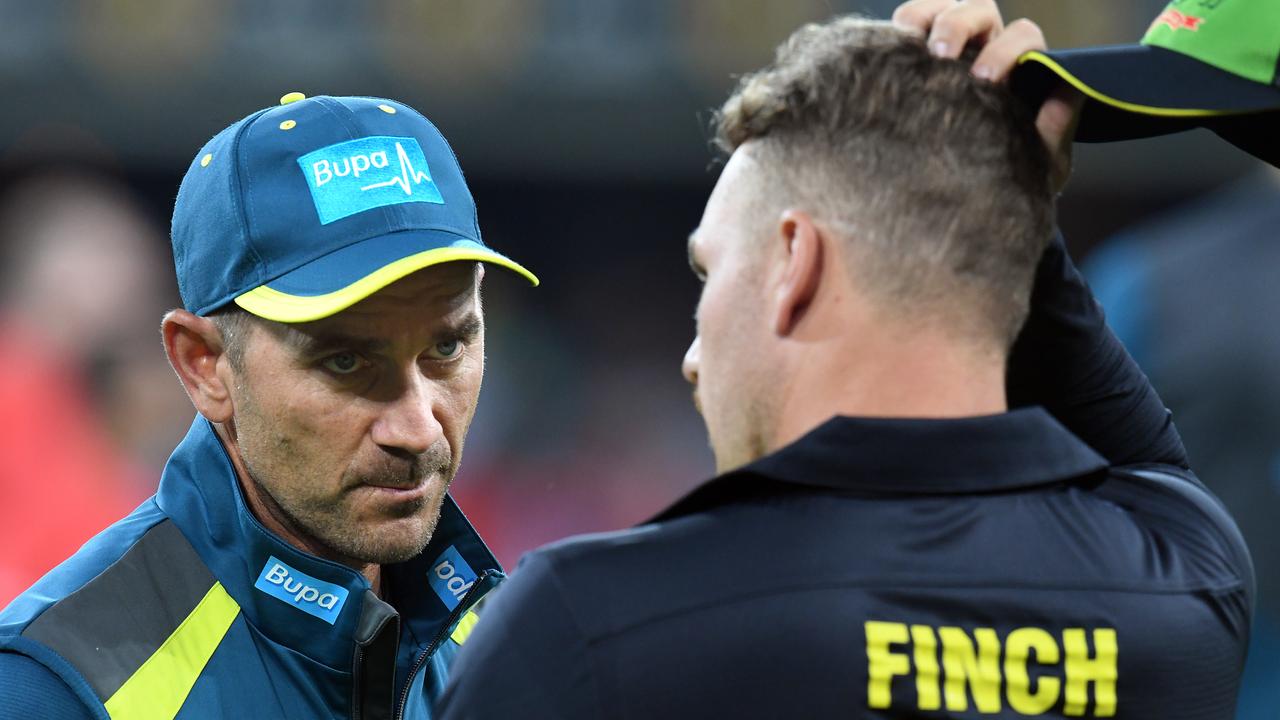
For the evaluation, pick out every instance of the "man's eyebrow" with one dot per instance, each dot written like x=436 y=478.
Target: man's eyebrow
x=694 y=265
x=308 y=342
x=469 y=327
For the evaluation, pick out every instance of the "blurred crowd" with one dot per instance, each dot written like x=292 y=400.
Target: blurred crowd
x=87 y=412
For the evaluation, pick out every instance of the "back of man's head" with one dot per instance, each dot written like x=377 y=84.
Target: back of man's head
x=936 y=182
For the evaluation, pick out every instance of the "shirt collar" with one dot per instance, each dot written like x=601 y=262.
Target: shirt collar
x=905 y=456
x=200 y=491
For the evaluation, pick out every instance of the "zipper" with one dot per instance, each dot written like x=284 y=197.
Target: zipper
x=355 y=683
x=463 y=605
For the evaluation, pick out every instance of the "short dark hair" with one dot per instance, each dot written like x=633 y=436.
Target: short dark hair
x=939 y=179
x=233 y=323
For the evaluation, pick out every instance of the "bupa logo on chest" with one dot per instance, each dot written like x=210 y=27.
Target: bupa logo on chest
x=310 y=595
x=451 y=577
x=366 y=173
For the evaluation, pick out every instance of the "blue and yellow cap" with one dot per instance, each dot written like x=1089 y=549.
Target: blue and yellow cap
x=301 y=210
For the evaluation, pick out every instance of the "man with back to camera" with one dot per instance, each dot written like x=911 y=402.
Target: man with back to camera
x=301 y=558
x=896 y=530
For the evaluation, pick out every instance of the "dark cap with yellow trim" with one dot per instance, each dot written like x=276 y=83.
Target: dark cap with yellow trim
x=301 y=210
x=1203 y=63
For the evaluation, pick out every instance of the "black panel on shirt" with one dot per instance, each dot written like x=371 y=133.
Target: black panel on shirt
x=109 y=627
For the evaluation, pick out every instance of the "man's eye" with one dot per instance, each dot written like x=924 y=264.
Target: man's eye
x=447 y=350
x=343 y=363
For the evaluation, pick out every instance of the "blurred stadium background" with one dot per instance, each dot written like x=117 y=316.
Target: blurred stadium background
x=582 y=127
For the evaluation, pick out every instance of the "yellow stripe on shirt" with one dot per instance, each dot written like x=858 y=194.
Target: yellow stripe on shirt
x=161 y=685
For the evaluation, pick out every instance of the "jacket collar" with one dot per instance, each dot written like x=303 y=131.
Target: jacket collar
x=200 y=491
x=900 y=456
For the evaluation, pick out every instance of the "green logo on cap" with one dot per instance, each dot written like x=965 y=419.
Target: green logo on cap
x=1241 y=37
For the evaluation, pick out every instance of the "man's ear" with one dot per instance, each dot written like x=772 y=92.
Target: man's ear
x=195 y=350
x=802 y=270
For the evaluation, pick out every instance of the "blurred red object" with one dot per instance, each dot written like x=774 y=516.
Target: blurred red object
x=61 y=478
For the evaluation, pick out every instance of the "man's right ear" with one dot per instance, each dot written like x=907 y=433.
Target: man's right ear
x=195 y=350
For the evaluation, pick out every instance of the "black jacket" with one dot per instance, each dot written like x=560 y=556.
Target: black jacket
x=990 y=566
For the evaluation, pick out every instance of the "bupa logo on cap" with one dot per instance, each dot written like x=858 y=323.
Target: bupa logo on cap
x=314 y=597
x=451 y=577
x=366 y=173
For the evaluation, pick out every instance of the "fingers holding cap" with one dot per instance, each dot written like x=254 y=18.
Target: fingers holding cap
x=918 y=15
x=1000 y=56
x=971 y=21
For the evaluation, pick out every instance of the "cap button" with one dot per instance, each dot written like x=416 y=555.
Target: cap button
x=292 y=97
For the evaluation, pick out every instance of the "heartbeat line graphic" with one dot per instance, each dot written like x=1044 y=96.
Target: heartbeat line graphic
x=408 y=175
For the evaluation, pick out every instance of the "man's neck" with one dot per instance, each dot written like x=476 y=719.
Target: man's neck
x=272 y=517
x=927 y=376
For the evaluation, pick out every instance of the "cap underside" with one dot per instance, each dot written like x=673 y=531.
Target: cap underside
x=1138 y=91
x=355 y=273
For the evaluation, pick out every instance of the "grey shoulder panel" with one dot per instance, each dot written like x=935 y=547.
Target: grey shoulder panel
x=109 y=627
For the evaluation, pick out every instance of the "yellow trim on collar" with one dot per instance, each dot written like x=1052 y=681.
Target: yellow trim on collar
x=283 y=307
x=1075 y=82
x=464 y=627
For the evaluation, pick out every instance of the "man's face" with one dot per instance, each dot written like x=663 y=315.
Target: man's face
x=729 y=360
x=352 y=426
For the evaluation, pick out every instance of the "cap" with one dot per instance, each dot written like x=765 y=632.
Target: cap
x=299 y=211
x=1211 y=63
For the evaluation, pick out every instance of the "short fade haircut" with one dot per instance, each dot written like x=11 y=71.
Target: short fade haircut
x=938 y=180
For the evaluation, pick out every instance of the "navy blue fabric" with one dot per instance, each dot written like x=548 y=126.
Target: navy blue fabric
x=30 y=691
x=1159 y=77
x=1068 y=361
x=1254 y=134
x=277 y=660
x=750 y=597
x=1149 y=76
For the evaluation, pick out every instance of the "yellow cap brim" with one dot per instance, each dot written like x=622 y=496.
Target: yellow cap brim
x=271 y=304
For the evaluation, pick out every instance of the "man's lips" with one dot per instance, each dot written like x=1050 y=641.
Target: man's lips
x=403 y=488
x=398 y=487
x=397 y=496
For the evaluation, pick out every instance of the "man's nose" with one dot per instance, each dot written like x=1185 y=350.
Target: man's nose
x=690 y=365
x=408 y=422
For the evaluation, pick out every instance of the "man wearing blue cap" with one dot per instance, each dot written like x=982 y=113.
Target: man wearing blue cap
x=301 y=557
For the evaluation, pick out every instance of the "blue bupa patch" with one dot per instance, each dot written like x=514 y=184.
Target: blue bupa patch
x=314 y=597
x=451 y=577
x=370 y=172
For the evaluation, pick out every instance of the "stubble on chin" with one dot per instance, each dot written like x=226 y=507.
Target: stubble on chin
x=342 y=528
x=385 y=534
